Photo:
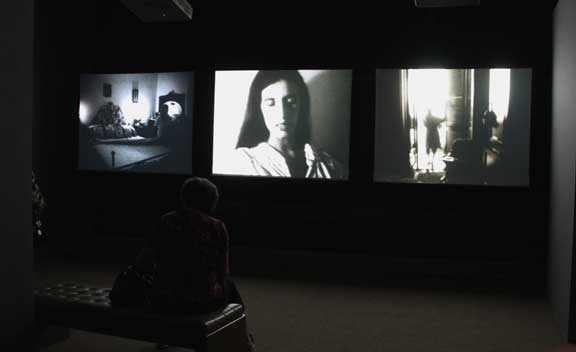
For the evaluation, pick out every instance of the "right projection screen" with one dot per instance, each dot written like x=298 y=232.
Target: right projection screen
x=453 y=126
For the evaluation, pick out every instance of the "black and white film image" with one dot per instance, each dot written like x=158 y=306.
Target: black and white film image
x=282 y=123
x=453 y=126
x=136 y=122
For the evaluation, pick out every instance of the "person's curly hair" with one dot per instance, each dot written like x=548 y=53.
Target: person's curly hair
x=199 y=193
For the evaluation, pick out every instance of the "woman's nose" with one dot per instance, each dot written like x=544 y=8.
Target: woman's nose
x=285 y=111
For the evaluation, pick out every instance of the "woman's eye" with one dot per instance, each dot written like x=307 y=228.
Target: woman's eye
x=269 y=102
x=291 y=101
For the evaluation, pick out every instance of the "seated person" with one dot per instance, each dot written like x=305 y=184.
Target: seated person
x=185 y=267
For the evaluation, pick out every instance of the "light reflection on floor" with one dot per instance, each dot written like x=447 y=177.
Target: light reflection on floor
x=128 y=154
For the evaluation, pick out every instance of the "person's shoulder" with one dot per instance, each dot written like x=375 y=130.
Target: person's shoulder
x=243 y=155
x=242 y=151
x=245 y=160
x=170 y=215
x=209 y=217
x=219 y=230
x=251 y=152
x=203 y=216
x=215 y=220
x=170 y=219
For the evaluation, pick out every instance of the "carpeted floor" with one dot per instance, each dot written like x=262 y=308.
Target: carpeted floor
x=424 y=314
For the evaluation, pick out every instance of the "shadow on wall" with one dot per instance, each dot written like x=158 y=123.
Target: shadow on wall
x=330 y=103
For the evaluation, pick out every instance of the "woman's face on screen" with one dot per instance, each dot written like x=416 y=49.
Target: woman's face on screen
x=280 y=106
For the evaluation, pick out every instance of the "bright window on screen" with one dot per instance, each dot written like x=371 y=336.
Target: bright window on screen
x=427 y=92
x=453 y=126
x=500 y=92
x=282 y=123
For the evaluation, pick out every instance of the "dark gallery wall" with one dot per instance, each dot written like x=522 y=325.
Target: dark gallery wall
x=563 y=170
x=16 y=97
x=357 y=215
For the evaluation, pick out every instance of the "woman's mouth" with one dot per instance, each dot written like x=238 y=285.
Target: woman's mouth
x=282 y=126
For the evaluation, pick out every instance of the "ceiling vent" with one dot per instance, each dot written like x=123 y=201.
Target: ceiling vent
x=160 y=10
x=446 y=3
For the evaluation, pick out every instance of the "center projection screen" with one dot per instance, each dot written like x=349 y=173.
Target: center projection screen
x=282 y=123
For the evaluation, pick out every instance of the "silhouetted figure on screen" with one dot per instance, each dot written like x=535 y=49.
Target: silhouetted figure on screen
x=185 y=267
x=165 y=126
x=489 y=121
x=433 y=144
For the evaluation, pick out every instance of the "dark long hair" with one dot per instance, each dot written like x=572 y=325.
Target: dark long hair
x=254 y=130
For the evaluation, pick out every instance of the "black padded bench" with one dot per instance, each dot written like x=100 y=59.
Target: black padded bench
x=76 y=306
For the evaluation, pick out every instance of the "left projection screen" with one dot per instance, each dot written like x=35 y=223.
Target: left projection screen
x=136 y=122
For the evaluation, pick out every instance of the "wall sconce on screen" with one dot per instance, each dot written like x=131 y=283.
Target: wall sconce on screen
x=134 y=91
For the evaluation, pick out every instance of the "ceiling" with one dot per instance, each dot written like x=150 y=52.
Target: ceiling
x=216 y=13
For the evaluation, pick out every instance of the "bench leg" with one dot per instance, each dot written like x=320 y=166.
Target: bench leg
x=230 y=338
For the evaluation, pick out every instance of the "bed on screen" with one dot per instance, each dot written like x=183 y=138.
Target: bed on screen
x=119 y=144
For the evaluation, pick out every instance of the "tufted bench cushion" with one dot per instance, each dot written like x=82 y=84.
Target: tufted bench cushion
x=87 y=308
